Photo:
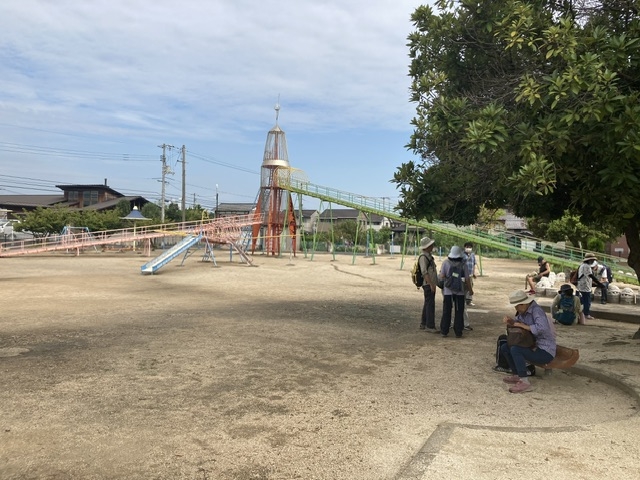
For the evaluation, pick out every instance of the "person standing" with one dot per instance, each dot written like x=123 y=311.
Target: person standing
x=586 y=278
x=429 y=271
x=602 y=273
x=529 y=316
x=470 y=260
x=455 y=277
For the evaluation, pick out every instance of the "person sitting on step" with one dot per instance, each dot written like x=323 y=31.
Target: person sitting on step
x=544 y=269
x=566 y=307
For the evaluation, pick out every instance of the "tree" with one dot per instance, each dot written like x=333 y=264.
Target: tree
x=531 y=105
x=49 y=221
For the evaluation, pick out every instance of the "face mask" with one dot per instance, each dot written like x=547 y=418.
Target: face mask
x=594 y=263
x=467 y=250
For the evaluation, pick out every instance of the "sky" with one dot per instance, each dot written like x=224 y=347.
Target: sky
x=90 y=90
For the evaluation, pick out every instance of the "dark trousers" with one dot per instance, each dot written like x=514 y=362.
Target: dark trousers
x=429 y=308
x=603 y=289
x=519 y=356
x=457 y=303
x=585 y=300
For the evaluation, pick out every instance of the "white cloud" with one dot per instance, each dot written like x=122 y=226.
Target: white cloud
x=203 y=70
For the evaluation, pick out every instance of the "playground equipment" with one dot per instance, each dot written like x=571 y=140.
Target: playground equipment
x=274 y=201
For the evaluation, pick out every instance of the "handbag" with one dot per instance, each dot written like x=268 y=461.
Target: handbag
x=521 y=337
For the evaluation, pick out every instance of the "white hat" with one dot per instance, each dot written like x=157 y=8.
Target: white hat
x=520 y=297
x=426 y=242
x=456 y=252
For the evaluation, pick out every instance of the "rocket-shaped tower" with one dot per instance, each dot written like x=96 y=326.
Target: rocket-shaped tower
x=274 y=203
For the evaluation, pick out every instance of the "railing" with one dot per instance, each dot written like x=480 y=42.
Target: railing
x=221 y=230
x=515 y=243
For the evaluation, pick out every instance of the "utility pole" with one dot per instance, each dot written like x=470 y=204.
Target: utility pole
x=216 y=212
x=165 y=170
x=184 y=183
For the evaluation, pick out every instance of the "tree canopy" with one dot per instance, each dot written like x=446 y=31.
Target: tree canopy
x=531 y=105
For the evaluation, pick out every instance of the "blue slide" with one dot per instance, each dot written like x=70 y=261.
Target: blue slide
x=161 y=260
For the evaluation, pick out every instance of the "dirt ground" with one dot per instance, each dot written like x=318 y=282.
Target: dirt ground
x=295 y=368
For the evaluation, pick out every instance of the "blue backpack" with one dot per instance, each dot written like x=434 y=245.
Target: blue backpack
x=565 y=314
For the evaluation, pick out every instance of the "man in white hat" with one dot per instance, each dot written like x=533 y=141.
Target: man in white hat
x=429 y=286
x=529 y=316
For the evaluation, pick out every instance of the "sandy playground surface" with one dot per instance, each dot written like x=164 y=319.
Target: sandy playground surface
x=292 y=369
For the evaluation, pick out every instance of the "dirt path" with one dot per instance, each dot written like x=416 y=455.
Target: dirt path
x=290 y=369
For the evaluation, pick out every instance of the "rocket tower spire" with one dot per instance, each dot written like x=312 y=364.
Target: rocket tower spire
x=274 y=202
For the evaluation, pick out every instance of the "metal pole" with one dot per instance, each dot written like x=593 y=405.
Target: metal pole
x=164 y=172
x=184 y=183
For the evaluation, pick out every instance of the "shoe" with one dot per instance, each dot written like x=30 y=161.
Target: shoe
x=603 y=303
x=531 y=292
x=459 y=336
x=444 y=335
x=511 y=379
x=589 y=317
x=468 y=328
x=520 y=387
x=432 y=330
x=422 y=327
x=501 y=369
x=471 y=304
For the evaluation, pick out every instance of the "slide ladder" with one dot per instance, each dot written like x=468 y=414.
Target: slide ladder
x=179 y=248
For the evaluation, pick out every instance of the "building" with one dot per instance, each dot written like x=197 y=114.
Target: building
x=336 y=215
x=84 y=197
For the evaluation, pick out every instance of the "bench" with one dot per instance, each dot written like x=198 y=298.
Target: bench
x=565 y=358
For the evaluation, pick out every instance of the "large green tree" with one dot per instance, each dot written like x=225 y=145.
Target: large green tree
x=531 y=105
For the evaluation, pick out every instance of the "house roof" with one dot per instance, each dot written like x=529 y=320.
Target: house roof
x=512 y=222
x=235 y=207
x=136 y=199
x=104 y=188
x=19 y=201
x=347 y=214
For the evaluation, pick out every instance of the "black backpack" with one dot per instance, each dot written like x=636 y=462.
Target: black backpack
x=453 y=281
x=416 y=274
x=502 y=364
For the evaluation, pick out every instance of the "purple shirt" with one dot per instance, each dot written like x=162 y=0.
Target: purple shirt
x=536 y=318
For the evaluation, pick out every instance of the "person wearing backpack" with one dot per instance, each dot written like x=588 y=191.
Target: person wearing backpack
x=566 y=307
x=427 y=266
x=529 y=316
x=454 y=277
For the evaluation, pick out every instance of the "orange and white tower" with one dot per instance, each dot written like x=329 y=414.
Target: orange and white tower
x=274 y=203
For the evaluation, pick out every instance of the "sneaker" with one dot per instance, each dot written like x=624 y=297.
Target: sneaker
x=444 y=335
x=471 y=304
x=458 y=336
x=432 y=330
x=520 y=387
x=422 y=327
x=501 y=369
x=468 y=328
x=511 y=379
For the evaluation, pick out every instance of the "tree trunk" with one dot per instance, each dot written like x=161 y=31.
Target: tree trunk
x=632 y=234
